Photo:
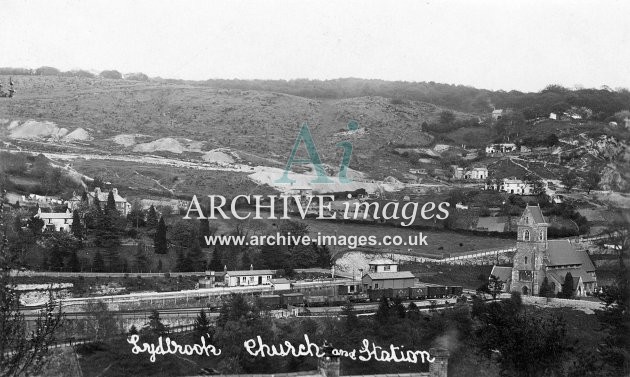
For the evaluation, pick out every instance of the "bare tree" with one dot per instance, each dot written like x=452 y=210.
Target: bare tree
x=22 y=347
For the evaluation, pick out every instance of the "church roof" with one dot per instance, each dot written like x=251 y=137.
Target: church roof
x=536 y=214
x=577 y=273
x=502 y=273
x=563 y=253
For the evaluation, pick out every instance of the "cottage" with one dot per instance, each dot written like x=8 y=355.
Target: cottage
x=512 y=186
x=553 y=116
x=538 y=258
x=55 y=221
x=122 y=205
x=497 y=114
x=248 y=277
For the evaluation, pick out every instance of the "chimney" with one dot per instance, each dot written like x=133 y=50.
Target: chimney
x=329 y=364
x=439 y=367
x=251 y=267
x=115 y=191
x=224 y=268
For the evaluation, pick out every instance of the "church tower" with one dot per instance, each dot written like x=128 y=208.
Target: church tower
x=531 y=248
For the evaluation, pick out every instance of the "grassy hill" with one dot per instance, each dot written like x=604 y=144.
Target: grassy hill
x=260 y=124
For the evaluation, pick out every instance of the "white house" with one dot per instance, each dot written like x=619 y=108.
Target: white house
x=383 y=265
x=502 y=147
x=553 y=116
x=248 y=277
x=512 y=186
x=55 y=221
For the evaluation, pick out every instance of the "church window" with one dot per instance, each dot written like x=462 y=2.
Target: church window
x=542 y=235
x=525 y=275
x=526 y=235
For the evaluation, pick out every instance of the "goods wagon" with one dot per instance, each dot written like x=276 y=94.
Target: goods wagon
x=293 y=299
x=418 y=293
x=397 y=292
x=270 y=301
x=455 y=291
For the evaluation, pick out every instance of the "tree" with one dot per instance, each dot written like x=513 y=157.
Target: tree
x=399 y=308
x=615 y=318
x=495 y=286
x=202 y=326
x=350 y=313
x=98 y=264
x=383 y=312
x=76 y=227
x=531 y=343
x=155 y=327
x=21 y=351
x=111 y=74
x=545 y=289
x=101 y=323
x=447 y=117
x=196 y=257
x=136 y=216
x=569 y=180
x=160 y=243
x=152 y=218
x=591 y=180
x=567 y=286
x=536 y=182
x=73 y=263
x=413 y=312
x=215 y=262
x=142 y=262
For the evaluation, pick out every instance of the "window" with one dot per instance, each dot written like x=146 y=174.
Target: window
x=525 y=260
x=376 y=286
x=386 y=268
x=541 y=236
x=525 y=275
x=526 y=235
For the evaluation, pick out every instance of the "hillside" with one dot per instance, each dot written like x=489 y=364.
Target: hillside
x=121 y=116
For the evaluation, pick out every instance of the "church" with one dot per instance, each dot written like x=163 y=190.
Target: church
x=537 y=257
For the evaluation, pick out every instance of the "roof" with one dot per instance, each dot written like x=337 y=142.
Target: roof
x=497 y=111
x=492 y=224
x=502 y=273
x=534 y=213
x=250 y=272
x=563 y=253
x=390 y=275
x=54 y=215
x=382 y=261
x=577 y=273
x=280 y=281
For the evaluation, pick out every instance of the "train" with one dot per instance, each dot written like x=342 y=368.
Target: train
x=418 y=292
x=315 y=295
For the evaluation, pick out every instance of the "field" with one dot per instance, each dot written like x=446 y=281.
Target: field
x=439 y=242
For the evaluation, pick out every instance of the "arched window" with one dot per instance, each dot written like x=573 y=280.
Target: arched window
x=526 y=235
x=542 y=235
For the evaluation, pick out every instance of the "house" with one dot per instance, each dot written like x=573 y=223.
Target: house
x=122 y=205
x=383 y=265
x=553 y=116
x=538 y=258
x=281 y=284
x=418 y=171
x=525 y=149
x=497 y=114
x=55 y=221
x=248 y=277
x=384 y=280
x=513 y=185
x=383 y=273
x=477 y=173
x=501 y=147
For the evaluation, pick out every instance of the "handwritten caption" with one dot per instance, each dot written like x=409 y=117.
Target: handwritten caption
x=256 y=347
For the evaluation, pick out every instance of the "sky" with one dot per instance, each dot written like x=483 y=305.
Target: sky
x=509 y=45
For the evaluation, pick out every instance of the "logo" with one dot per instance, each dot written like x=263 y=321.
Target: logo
x=304 y=136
